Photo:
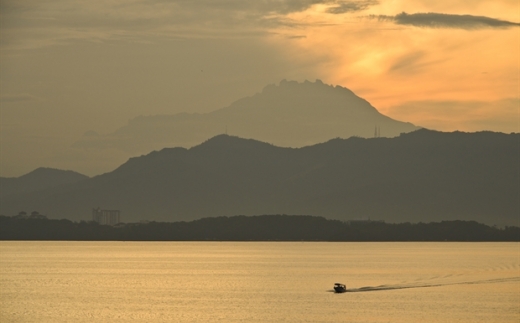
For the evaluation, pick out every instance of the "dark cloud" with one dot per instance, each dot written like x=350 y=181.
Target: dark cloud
x=61 y=21
x=296 y=37
x=278 y=6
x=351 y=6
x=442 y=20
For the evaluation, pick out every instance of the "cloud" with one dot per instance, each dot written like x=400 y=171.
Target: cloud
x=278 y=6
x=39 y=23
x=413 y=62
x=442 y=20
x=22 y=97
x=341 y=7
x=499 y=115
x=408 y=61
x=296 y=37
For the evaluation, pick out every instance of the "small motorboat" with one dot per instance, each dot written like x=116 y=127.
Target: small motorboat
x=339 y=288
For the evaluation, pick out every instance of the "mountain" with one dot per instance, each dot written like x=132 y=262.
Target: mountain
x=39 y=179
x=291 y=114
x=418 y=176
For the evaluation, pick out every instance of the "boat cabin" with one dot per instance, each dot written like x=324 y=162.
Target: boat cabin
x=340 y=288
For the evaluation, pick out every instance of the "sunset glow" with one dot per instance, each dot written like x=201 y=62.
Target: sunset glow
x=69 y=68
x=394 y=65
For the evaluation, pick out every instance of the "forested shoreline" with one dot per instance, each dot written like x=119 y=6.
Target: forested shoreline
x=253 y=228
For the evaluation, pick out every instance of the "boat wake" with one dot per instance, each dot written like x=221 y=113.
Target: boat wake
x=421 y=285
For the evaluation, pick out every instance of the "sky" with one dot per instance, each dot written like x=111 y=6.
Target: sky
x=69 y=67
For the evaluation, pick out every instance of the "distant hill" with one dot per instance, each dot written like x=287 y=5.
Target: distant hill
x=291 y=114
x=39 y=179
x=419 y=176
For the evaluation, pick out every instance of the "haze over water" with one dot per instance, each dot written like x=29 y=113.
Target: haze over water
x=258 y=282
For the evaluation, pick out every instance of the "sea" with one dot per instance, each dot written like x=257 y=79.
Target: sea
x=42 y=281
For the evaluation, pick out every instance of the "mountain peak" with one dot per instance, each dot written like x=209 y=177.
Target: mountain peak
x=290 y=114
x=225 y=142
x=43 y=173
x=38 y=179
x=307 y=85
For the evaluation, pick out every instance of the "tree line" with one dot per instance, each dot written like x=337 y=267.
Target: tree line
x=252 y=228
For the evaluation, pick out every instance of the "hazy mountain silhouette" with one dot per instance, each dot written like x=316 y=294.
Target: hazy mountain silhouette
x=39 y=179
x=291 y=114
x=419 y=176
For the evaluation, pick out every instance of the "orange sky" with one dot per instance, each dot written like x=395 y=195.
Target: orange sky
x=396 y=66
x=70 y=67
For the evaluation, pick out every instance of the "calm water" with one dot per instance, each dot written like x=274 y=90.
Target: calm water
x=258 y=282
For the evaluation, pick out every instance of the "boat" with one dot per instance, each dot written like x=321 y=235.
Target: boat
x=339 y=288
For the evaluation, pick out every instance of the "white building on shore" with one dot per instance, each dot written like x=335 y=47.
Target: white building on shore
x=106 y=217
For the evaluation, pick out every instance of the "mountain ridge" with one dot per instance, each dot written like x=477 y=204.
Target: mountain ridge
x=290 y=114
x=420 y=176
x=38 y=179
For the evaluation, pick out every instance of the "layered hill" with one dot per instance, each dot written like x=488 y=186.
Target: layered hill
x=290 y=114
x=420 y=176
x=37 y=180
